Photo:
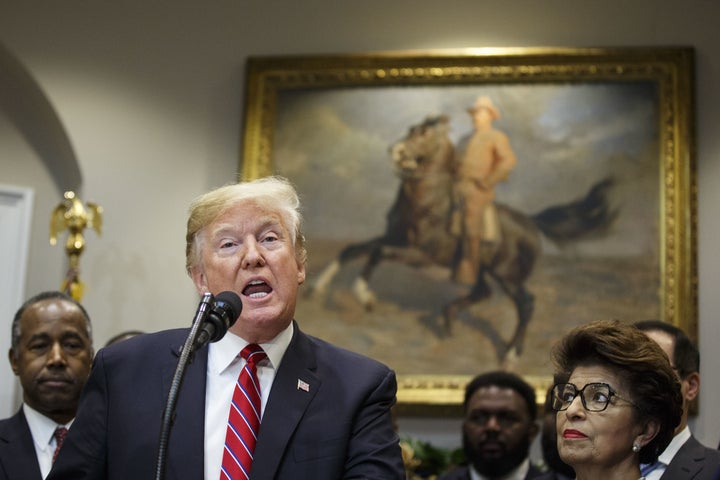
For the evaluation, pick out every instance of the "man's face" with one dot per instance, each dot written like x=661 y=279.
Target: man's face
x=688 y=385
x=249 y=250
x=53 y=357
x=497 y=430
x=482 y=118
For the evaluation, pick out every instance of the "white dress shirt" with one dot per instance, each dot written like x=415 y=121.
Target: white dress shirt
x=669 y=453
x=223 y=368
x=42 y=429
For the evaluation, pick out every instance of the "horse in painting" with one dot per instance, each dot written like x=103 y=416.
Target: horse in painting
x=417 y=230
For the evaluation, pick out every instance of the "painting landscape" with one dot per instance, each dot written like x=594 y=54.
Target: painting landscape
x=334 y=145
x=597 y=134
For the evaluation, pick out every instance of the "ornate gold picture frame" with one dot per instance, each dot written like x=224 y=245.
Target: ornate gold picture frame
x=583 y=123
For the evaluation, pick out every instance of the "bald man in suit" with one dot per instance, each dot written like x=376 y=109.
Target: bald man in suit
x=51 y=352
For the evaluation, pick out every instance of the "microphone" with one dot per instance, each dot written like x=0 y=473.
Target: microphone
x=213 y=318
x=223 y=315
x=203 y=307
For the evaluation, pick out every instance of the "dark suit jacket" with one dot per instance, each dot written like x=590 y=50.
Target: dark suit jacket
x=693 y=461
x=340 y=428
x=463 y=473
x=551 y=475
x=18 y=459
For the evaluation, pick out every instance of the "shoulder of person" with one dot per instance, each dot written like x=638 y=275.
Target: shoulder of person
x=147 y=344
x=460 y=473
x=713 y=456
x=340 y=356
x=695 y=445
x=545 y=476
x=6 y=424
x=17 y=418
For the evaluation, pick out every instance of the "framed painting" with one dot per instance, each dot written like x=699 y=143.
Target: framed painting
x=595 y=216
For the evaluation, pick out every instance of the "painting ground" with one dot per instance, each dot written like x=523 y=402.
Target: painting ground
x=404 y=330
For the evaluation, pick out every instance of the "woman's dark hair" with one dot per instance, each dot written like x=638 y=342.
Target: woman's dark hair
x=653 y=386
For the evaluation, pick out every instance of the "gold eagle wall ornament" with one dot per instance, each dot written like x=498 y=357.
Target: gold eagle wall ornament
x=73 y=216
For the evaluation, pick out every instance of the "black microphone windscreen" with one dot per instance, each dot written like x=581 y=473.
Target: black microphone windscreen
x=231 y=303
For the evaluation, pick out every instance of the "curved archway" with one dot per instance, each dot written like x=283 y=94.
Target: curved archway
x=29 y=109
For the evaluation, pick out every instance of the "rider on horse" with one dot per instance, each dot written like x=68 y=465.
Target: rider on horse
x=486 y=160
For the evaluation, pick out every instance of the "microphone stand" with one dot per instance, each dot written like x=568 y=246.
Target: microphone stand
x=169 y=411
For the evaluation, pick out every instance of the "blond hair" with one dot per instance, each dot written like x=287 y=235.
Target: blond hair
x=274 y=192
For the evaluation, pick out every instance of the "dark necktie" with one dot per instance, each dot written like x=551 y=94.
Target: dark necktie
x=244 y=418
x=60 y=434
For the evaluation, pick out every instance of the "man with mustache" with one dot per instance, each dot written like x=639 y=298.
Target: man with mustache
x=51 y=353
x=499 y=426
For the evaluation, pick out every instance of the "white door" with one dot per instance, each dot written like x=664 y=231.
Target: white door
x=15 y=219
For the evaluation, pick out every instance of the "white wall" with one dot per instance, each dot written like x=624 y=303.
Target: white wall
x=151 y=96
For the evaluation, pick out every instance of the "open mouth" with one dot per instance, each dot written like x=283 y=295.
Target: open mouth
x=257 y=289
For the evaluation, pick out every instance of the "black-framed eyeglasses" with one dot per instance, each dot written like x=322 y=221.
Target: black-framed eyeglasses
x=595 y=397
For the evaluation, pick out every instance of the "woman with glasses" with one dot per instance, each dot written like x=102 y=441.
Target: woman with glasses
x=618 y=403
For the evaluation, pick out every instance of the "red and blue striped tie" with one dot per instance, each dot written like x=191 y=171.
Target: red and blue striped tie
x=244 y=418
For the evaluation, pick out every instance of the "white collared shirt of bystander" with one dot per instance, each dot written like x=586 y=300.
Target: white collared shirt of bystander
x=42 y=429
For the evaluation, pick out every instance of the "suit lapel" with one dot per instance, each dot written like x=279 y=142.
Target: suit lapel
x=294 y=387
x=17 y=456
x=688 y=461
x=186 y=447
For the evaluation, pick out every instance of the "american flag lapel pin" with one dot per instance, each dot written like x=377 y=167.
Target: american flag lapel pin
x=304 y=386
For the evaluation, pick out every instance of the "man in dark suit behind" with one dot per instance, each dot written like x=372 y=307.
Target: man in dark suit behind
x=325 y=412
x=685 y=457
x=499 y=426
x=50 y=352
